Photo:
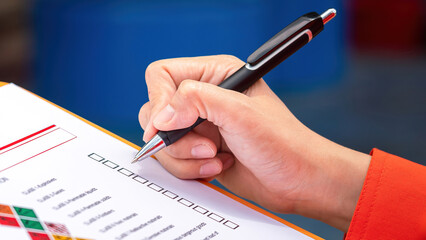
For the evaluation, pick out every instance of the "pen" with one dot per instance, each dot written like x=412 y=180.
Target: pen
x=269 y=55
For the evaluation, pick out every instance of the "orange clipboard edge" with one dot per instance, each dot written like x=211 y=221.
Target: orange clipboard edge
x=224 y=192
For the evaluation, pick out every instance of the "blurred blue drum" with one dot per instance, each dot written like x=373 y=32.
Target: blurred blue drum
x=91 y=56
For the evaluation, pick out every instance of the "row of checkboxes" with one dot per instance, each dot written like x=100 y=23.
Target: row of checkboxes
x=160 y=189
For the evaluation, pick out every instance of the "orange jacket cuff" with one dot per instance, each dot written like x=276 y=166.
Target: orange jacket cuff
x=392 y=204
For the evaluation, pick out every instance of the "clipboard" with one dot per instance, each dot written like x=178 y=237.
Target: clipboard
x=221 y=191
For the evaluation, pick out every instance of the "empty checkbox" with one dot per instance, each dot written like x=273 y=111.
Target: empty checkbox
x=110 y=164
x=200 y=209
x=95 y=157
x=215 y=217
x=125 y=172
x=170 y=194
x=186 y=202
x=230 y=224
x=140 y=179
x=155 y=187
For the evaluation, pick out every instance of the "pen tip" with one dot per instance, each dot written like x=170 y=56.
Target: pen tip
x=134 y=160
x=151 y=147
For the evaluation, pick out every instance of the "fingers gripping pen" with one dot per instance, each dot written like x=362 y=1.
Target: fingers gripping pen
x=264 y=59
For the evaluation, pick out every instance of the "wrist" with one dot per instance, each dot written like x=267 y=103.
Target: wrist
x=338 y=175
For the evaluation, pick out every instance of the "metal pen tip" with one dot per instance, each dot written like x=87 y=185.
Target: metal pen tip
x=136 y=159
x=328 y=15
x=154 y=145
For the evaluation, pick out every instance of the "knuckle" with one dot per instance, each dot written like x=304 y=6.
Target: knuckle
x=192 y=95
x=230 y=64
x=231 y=58
x=189 y=87
x=154 y=65
x=145 y=108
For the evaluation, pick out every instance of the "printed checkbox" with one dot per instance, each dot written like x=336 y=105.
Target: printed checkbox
x=170 y=194
x=95 y=157
x=200 y=209
x=155 y=187
x=186 y=202
x=230 y=224
x=140 y=179
x=215 y=217
x=125 y=172
x=110 y=164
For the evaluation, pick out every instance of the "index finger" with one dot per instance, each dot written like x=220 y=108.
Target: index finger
x=164 y=76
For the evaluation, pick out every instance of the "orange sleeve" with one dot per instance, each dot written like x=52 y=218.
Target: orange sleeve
x=392 y=204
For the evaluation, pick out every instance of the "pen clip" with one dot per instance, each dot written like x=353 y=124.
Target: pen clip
x=310 y=21
x=298 y=41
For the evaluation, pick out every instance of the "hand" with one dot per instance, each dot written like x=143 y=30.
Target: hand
x=251 y=143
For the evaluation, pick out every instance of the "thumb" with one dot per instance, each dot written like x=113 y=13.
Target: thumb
x=194 y=99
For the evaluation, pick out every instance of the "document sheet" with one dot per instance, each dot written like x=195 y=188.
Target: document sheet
x=62 y=178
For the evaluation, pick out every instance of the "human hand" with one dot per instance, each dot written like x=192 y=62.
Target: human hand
x=251 y=143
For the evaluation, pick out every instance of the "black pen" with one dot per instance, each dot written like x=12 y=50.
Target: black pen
x=264 y=59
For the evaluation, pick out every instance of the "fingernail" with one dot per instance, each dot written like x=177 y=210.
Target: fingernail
x=210 y=169
x=202 y=151
x=145 y=136
x=164 y=115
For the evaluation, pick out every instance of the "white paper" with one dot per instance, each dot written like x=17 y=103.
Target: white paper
x=79 y=182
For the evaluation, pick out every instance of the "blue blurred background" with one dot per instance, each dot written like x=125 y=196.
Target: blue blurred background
x=360 y=83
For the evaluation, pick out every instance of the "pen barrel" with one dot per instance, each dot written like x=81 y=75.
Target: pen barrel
x=291 y=47
x=241 y=80
x=310 y=21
